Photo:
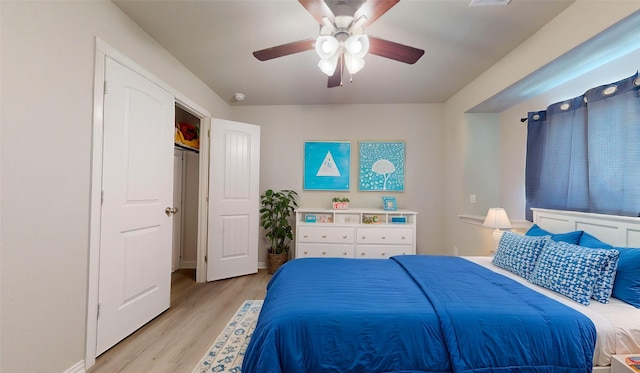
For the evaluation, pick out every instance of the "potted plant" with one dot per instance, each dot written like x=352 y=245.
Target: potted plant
x=277 y=208
x=340 y=203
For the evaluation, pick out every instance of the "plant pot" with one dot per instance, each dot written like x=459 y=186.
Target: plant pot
x=340 y=205
x=274 y=261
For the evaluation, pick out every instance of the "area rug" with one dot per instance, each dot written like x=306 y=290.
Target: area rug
x=226 y=353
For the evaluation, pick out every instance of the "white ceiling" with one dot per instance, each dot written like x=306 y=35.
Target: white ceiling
x=215 y=40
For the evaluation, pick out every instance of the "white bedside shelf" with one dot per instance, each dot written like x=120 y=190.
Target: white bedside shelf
x=619 y=365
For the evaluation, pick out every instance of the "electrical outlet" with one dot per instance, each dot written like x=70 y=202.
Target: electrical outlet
x=472 y=198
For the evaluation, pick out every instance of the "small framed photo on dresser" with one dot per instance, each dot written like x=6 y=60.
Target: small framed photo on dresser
x=389 y=203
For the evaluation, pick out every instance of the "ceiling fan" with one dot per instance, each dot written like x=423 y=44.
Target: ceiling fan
x=342 y=40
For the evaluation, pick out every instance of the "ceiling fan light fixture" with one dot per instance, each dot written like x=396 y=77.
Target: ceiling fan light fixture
x=328 y=65
x=327 y=46
x=357 y=45
x=353 y=64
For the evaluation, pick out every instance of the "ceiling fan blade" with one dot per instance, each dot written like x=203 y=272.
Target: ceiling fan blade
x=373 y=9
x=394 y=51
x=335 y=80
x=318 y=9
x=285 y=49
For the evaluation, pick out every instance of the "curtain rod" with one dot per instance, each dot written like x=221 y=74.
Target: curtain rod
x=523 y=119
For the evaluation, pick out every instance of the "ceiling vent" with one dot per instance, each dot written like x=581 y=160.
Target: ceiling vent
x=488 y=2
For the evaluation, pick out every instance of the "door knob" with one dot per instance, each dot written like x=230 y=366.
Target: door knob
x=170 y=211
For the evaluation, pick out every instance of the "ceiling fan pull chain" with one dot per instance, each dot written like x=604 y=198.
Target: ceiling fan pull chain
x=341 y=67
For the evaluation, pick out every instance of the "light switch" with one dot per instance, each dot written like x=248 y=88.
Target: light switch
x=472 y=198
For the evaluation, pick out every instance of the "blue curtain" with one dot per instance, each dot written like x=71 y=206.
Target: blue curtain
x=583 y=154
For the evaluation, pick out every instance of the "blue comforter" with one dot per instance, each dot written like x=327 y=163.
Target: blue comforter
x=412 y=314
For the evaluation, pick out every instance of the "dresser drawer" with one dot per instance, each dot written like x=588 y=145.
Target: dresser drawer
x=325 y=235
x=398 y=236
x=382 y=251
x=324 y=251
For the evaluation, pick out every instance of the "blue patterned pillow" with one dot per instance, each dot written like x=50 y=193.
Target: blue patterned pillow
x=518 y=253
x=603 y=288
x=570 y=270
x=627 y=279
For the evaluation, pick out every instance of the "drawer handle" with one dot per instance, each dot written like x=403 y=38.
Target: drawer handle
x=305 y=253
x=403 y=237
x=345 y=236
x=345 y=253
x=306 y=236
x=383 y=254
x=364 y=237
x=384 y=238
x=324 y=236
x=324 y=253
x=362 y=254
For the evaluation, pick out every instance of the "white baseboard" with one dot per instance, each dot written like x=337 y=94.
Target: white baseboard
x=262 y=265
x=76 y=368
x=188 y=264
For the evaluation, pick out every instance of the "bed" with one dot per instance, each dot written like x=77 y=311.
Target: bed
x=439 y=314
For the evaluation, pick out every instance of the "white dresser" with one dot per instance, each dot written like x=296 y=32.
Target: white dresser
x=354 y=233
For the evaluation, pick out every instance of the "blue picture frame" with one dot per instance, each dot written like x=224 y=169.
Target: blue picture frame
x=389 y=203
x=327 y=165
x=381 y=166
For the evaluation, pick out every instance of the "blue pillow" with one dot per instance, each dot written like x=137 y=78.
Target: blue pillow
x=518 y=253
x=569 y=237
x=627 y=281
x=569 y=269
x=627 y=284
x=588 y=240
x=603 y=288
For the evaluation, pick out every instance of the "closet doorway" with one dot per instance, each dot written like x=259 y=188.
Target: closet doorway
x=186 y=188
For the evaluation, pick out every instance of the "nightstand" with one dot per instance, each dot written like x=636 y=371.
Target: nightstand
x=618 y=364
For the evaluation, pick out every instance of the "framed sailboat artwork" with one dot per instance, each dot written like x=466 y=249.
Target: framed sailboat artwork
x=327 y=165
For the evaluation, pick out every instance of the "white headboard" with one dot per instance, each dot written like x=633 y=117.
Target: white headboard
x=621 y=231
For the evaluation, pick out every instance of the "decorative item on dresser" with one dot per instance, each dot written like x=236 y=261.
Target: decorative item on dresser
x=277 y=208
x=354 y=233
x=340 y=203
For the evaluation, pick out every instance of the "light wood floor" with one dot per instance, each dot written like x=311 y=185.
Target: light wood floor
x=176 y=340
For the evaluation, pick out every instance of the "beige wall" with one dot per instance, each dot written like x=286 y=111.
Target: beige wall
x=285 y=128
x=578 y=23
x=47 y=63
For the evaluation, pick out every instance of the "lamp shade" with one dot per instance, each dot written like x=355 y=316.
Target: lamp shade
x=357 y=45
x=497 y=218
x=328 y=65
x=353 y=64
x=327 y=46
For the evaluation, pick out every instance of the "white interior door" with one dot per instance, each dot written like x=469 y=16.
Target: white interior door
x=178 y=179
x=233 y=199
x=135 y=243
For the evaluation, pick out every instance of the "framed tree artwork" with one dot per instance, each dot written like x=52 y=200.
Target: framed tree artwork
x=382 y=165
x=327 y=165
